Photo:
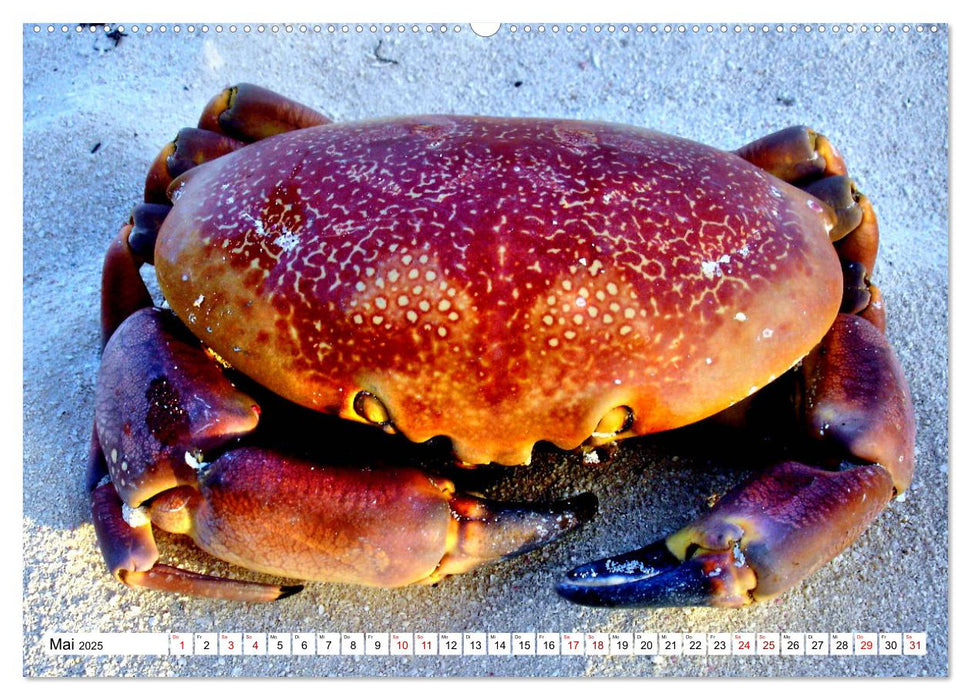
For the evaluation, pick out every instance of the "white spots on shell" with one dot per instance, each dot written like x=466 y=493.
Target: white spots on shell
x=288 y=241
x=712 y=268
x=258 y=227
x=767 y=333
x=198 y=302
x=741 y=317
x=406 y=291
x=585 y=309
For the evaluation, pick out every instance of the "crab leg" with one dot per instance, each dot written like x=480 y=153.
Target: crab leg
x=189 y=148
x=149 y=419
x=795 y=154
x=130 y=553
x=237 y=116
x=122 y=290
x=249 y=113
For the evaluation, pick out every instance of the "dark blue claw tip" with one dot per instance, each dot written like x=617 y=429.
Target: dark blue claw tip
x=650 y=577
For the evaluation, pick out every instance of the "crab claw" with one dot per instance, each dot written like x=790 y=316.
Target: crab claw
x=758 y=541
x=769 y=533
x=654 y=577
x=386 y=527
x=489 y=530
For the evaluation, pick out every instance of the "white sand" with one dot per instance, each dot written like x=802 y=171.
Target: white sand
x=95 y=114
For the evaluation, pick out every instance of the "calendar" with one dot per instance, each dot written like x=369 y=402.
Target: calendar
x=489 y=644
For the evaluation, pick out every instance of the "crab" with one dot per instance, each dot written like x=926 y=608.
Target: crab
x=490 y=283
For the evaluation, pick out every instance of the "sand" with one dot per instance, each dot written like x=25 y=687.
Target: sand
x=98 y=106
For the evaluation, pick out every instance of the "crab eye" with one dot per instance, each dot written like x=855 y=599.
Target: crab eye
x=617 y=421
x=370 y=408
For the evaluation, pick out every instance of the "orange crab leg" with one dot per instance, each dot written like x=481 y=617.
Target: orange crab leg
x=237 y=116
x=122 y=289
x=860 y=246
x=189 y=148
x=249 y=113
x=794 y=154
x=807 y=159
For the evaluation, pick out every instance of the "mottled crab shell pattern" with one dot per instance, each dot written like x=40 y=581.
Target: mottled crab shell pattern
x=499 y=282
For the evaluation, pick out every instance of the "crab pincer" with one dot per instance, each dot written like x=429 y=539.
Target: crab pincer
x=169 y=426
